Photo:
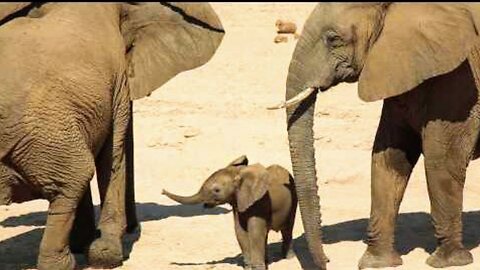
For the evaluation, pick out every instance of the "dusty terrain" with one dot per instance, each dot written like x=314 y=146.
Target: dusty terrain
x=204 y=118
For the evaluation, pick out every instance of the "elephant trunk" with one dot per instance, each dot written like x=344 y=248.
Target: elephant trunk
x=194 y=199
x=302 y=152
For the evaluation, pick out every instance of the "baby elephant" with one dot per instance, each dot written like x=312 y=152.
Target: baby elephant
x=262 y=199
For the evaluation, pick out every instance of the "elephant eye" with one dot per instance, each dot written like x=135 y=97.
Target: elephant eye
x=333 y=40
x=216 y=190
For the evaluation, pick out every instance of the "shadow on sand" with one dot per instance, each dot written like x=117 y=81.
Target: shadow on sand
x=414 y=230
x=21 y=251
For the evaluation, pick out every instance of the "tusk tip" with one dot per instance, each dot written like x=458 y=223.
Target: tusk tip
x=276 y=107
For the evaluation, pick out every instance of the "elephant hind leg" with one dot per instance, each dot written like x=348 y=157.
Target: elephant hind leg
x=396 y=150
x=73 y=178
x=84 y=230
x=287 y=234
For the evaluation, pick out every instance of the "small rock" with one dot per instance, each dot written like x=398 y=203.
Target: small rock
x=280 y=39
x=285 y=27
x=323 y=113
x=191 y=132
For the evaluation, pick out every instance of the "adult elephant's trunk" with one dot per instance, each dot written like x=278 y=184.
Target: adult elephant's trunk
x=302 y=152
x=194 y=199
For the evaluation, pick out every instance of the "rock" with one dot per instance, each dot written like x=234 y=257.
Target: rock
x=280 y=39
x=285 y=27
x=191 y=132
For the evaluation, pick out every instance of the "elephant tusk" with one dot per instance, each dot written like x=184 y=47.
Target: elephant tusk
x=295 y=100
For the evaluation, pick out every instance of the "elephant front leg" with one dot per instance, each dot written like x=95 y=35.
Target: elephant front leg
x=447 y=152
x=130 y=208
x=257 y=235
x=243 y=241
x=107 y=251
x=395 y=152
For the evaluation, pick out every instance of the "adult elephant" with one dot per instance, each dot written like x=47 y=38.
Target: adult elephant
x=421 y=59
x=67 y=77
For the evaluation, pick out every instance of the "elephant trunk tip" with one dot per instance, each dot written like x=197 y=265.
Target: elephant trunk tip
x=194 y=199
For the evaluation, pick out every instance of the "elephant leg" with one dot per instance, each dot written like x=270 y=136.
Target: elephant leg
x=243 y=241
x=447 y=150
x=395 y=152
x=83 y=231
x=257 y=235
x=54 y=251
x=54 y=247
x=287 y=243
x=107 y=251
x=132 y=221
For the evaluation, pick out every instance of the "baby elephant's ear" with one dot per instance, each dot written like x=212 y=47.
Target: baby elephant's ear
x=242 y=160
x=253 y=186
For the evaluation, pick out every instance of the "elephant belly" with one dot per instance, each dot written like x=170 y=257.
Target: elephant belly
x=281 y=207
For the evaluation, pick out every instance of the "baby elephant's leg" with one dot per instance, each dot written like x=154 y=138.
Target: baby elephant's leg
x=257 y=234
x=243 y=241
x=287 y=244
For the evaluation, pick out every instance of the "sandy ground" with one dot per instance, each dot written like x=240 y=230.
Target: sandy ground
x=204 y=118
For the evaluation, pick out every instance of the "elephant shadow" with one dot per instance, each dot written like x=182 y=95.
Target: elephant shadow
x=413 y=230
x=15 y=255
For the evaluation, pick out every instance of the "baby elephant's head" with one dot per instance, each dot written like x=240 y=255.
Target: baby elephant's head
x=237 y=183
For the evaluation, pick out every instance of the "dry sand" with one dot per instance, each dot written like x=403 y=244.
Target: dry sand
x=204 y=118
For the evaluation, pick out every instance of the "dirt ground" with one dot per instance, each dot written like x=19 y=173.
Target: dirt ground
x=204 y=118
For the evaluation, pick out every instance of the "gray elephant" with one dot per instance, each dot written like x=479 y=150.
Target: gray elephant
x=68 y=75
x=262 y=199
x=423 y=61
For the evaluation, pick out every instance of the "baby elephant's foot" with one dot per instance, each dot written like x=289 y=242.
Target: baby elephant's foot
x=106 y=252
x=380 y=260
x=63 y=261
x=457 y=257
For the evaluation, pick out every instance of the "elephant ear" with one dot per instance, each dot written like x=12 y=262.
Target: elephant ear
x=164 y=39
x=240 y=161
x=254 y=183
x=417 y=42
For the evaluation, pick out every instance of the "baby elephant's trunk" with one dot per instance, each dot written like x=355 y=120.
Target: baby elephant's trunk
x=194 y=199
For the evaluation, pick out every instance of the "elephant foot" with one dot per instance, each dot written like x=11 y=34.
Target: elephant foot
x=457 y=257
x=58 y=261
x=385 y=259
x=106 y=252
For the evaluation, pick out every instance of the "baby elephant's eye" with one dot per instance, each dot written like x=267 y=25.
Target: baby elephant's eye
x=216 y=190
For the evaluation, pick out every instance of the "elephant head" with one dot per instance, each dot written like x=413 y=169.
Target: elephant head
x=388 y=48
x=237 y=184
